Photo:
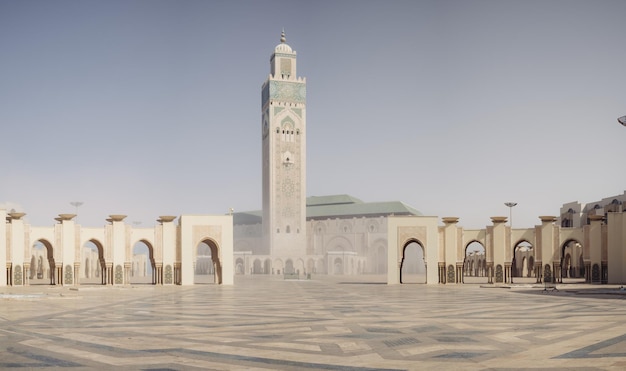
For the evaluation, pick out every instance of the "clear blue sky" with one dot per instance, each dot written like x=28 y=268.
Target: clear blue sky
x=151 y=108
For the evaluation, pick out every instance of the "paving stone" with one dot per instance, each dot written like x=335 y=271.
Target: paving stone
x=326 y=323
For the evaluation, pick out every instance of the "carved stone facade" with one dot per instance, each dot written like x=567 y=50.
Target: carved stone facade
x=283 y=127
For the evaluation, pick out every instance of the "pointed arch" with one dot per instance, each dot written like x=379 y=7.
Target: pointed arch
x=215 y=259
x=413 y=262
x=47 y=273
x=475 y=263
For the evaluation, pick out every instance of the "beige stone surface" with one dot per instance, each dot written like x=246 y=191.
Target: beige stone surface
x=328 y=322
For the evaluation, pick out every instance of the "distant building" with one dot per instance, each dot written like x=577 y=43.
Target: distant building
x=344 y=236
x=576 y=215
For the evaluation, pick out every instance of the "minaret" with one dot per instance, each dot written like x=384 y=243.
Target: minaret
x=284 y=156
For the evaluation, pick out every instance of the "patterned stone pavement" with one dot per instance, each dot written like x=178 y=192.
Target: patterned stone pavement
x=327 y=323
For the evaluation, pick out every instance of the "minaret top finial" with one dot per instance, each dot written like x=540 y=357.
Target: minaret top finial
x=282 y=37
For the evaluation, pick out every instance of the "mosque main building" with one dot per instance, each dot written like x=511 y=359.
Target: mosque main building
x=293 y=234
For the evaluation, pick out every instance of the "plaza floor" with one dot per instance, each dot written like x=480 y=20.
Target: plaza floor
x=326 y=323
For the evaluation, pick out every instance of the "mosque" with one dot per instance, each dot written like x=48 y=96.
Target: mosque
x=295 y=236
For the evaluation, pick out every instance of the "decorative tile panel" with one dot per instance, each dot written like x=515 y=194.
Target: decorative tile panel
x=168 y=275
x=69 y=275
x=17 y=275
x=294 y=92
x=499 y=274
x=119 y=275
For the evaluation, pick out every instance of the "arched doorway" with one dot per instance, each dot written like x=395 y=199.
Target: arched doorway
x=204 y=270
x=522 y=266
x=43 y=270
x=93 y=266
x=277 y=267
x=207 y=252
x=257 y=267
x=289 y=268
x=413 y=265
x=475 y=263
x=143 y=266
x=337 y=266
x=239 y=266
x=572 y=262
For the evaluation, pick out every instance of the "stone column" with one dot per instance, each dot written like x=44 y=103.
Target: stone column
x=499 y=246
x=59 y=274
x=9 y=274
x=26 y=274
x=595 y=247
x=508 y=275
x=127 y=269
x=109 y=275
x=158 y=273
x=76 y=274
x=16 y=244
x=549 y=252
x=177 y=276
x=451 y=248
x=118 y=245
x=442 y=272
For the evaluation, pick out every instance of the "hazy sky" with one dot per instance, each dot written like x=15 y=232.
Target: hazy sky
x=151 y=108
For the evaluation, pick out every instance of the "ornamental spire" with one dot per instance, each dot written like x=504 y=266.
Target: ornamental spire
x=282 y=36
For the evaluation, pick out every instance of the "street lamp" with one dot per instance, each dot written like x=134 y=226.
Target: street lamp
x=510 y=205
x=622 y=120
x=76 y=204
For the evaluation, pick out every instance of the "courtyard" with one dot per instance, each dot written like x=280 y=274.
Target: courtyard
x=325 y=323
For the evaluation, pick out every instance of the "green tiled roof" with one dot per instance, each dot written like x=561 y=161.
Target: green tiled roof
x=357 y=208
x=247 y=217
x=337 y=206
x=331 y=200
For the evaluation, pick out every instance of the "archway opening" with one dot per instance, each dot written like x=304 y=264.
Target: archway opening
x=522 y=266
x=289 y=268
x=572 y=262
x=413 y=265
x=204 y=269
x=338 y=266
x=475 y=263
x=240 y=267
x=257 y=266
x=208 y=250
x=92 y=263
x=143 y=266
x=42 y=264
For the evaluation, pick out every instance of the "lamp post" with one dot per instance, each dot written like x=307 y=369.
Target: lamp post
x=622 y=120
x=76 y=204
x=510 y=205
